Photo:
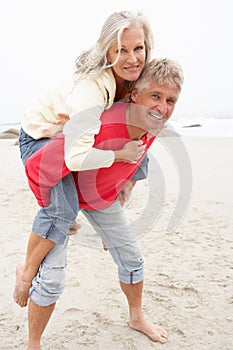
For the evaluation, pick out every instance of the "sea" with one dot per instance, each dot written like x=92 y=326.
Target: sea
x=193 y=127
x=203 y=127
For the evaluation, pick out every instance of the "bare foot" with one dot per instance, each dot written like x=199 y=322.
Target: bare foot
x=104 y=246
x=154 y=332
x=21 y=291
x=33 y=346
x=74 y=228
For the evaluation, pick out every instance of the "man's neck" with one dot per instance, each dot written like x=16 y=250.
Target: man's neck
x=135 y=132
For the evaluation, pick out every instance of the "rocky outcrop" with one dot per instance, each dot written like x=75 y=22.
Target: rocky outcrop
x=9 y=134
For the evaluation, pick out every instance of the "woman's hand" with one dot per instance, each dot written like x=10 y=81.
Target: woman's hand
x=131 y=152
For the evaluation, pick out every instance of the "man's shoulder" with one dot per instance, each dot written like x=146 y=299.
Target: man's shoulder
x=115 y=114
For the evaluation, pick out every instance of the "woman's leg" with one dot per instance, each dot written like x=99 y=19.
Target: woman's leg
x=47 y=287
x=50 y=226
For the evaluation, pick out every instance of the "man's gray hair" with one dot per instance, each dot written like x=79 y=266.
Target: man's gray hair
x=163 y=71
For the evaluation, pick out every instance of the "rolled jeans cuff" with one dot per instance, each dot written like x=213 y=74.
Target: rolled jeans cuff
x=52 y=228
x=133 y=277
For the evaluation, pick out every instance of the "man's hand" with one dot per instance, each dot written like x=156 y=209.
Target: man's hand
x=73 y=230
x=125 y=193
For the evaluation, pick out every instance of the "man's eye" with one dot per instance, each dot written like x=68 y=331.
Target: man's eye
x=171 y=102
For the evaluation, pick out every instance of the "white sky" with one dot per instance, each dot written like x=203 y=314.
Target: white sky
x=41 y=39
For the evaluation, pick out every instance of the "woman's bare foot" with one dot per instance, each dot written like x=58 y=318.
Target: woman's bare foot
x=21 y=291
x=74 y=228
x=104 y=246
x=155 y=333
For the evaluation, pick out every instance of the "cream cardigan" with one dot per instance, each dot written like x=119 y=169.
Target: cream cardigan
x=75 y=109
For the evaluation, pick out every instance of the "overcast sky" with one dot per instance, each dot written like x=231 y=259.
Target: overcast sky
x=41 y=39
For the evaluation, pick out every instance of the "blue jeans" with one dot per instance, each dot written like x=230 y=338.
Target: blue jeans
x=52 y=222
x=142 y=171
x=114 y=229
x=112 y=225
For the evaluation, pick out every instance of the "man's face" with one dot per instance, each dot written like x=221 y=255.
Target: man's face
x=158 y=100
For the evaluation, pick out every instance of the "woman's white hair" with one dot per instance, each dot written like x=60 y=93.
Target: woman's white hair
x=94 y=60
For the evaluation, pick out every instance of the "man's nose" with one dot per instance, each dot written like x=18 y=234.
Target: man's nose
x=162 y=108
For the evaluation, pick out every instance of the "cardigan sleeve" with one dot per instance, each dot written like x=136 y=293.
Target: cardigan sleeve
x=83 y=125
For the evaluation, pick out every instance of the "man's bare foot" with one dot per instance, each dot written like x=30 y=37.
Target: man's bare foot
x=154 y=332
x=74 y=228
x=21 y=291
x=33 y=346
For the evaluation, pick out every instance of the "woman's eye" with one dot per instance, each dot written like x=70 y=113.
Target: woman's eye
x=139 y=48
x=121 y=50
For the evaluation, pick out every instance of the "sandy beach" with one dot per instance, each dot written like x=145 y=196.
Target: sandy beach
x=188 y=272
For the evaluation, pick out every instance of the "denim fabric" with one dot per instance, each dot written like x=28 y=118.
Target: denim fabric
x=49 y=282
x=115 y=231
x=52 y=222
x=112 y=226
x=28 y=145
x=142 y=171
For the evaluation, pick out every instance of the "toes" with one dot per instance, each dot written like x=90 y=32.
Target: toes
x=163 y=337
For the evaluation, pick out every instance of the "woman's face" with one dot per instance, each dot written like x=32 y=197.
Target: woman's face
x=132 y=56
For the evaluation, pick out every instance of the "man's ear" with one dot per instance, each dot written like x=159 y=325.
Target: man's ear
x=133 y=95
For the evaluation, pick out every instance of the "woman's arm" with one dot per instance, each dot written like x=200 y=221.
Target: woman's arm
x=46 y=167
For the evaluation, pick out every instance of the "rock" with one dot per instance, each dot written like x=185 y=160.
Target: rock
x=9 y=134
x=12 y=131
x=191 y=126
x=6 y=135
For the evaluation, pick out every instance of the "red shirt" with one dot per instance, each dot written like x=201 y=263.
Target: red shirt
x=97 y=189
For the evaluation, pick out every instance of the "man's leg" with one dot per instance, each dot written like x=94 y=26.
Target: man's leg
x=137 y=321
x=114 y=229
x=38 y=317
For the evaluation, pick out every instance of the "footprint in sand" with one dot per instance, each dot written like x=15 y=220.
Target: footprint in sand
x=72 y=312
